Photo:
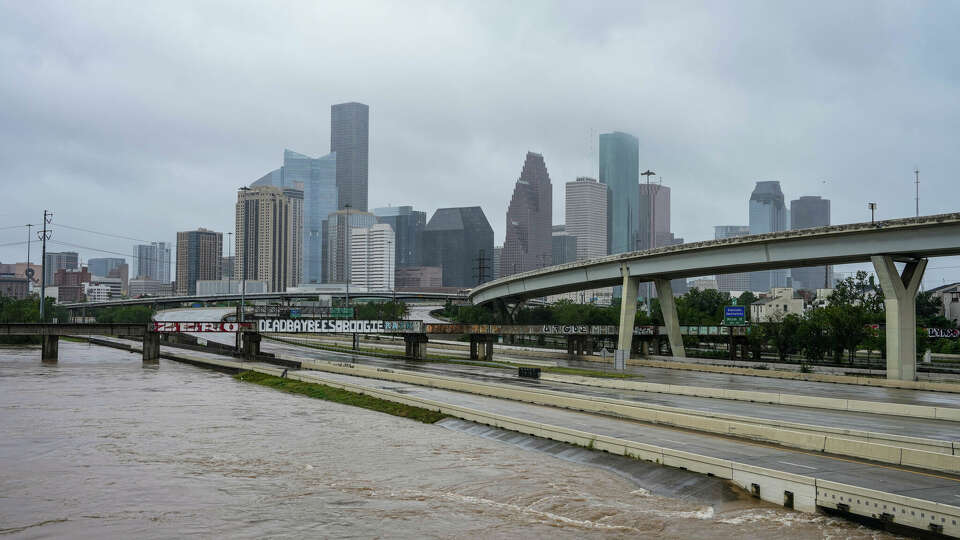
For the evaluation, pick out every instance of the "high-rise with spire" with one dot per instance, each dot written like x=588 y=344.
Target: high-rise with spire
x=528 y=244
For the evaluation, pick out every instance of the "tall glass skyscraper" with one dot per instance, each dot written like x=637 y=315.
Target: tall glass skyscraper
x=620 y=171
x=350 y=139
x=153 y=261
x=807 y=212
x=316 y=177
x=408 y=225
x=768 y=214
x=528 y=243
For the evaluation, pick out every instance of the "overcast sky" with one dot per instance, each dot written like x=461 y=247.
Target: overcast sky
x=142 y=118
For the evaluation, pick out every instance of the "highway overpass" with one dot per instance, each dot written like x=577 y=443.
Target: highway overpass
x=883 y=243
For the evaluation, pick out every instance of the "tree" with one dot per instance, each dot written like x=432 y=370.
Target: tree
x=848 y=324
x=745 y=300
x=861 y=290
x=781 y=331
x=813 y=336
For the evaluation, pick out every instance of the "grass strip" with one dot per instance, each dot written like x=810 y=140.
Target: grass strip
x=338 y=395
x=439 y=359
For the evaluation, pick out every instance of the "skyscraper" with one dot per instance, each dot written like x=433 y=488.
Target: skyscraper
x=349 y=138
x=316 y=177
x=807 y=212
x=460 y=240
x=67 y=260
x=528 y=243
x=407 y=225
x=102 y=266
x=269 y=242
x=768 y=214
x=338 y=226
x=372 y=257
x=739 y=281
x=653 y=207
x=564 y=245
x=153 y=261
x=620 y=171
x=199 y=256
x=586 y=215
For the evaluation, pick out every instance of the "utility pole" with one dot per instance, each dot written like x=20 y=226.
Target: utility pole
x=28 y=272
x=44 y=236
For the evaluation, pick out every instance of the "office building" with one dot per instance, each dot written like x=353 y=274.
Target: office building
x=121 y=272
x=372 y=257
x=739 y=281
x=564 y=246
x=199 y=256
x=528 y=243
x=317 y=178
x=407 y=225
x=349 y=138
x=586 y=215
x=14 y=287
x=654 y=213
x=102 y=266
x=460 y=241
x=113 y=285
x=269 y=225
x=620 y=173
x=497 y=255
x=228 y=264
x=231 y=286
x=153 y=261
x=54 y=262
x=20 y=270
x=338 y=226
x=138 y=288
x=419 y=277
x=70 y=283
x=807 y=212
x=768 y=214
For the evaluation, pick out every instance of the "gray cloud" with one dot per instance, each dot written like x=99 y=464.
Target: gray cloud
x=143 y=118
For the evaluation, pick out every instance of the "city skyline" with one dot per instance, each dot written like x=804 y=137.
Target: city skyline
x=709 y=132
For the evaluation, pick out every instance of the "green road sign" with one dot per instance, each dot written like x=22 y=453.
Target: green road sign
x=341 y=312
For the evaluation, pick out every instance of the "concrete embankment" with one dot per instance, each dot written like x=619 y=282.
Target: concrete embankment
x=912 y=451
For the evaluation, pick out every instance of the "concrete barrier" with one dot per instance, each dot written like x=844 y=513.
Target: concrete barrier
x=837 y=404
x=854 y=443
x=899 y=509
x=924 y=460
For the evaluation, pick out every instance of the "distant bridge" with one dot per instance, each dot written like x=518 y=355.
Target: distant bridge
x=883 y=243
x=281 y=296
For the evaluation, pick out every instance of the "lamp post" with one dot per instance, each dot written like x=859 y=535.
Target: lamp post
x=651 y=196
x=873 y=208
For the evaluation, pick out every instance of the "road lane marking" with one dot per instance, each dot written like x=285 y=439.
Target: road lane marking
x=797 y=465
x=677 y=442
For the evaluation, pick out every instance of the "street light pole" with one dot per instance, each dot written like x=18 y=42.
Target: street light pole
x=873 y=207
x=651 y=196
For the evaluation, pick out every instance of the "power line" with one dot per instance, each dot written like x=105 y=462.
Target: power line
x=13 y=243
x=58 y=224
x=18 y=226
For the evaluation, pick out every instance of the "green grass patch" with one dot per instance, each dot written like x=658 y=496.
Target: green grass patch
x=338 y=395
x=442 y=359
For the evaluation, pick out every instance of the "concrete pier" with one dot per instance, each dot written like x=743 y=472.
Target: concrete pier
x=151 y=348
x=50 y=348
x=250 y=345
x=900 y=300
x=415 y=346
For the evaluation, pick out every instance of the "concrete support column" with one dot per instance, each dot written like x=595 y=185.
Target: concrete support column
x=356 y=341
x=415 y=346
x=900 y=300
x=486 y=348
x=669 y=309
x=49 y=348
x=628 y=311
x=251 y=345
x=473 y=347
x=570 y=347
x=151 y=348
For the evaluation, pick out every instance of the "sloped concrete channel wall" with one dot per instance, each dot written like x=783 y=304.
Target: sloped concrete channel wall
x=770 y=485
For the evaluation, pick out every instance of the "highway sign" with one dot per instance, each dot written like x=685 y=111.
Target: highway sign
x=734 y=315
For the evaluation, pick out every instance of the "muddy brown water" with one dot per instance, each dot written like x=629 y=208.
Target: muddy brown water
x=98 y=446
